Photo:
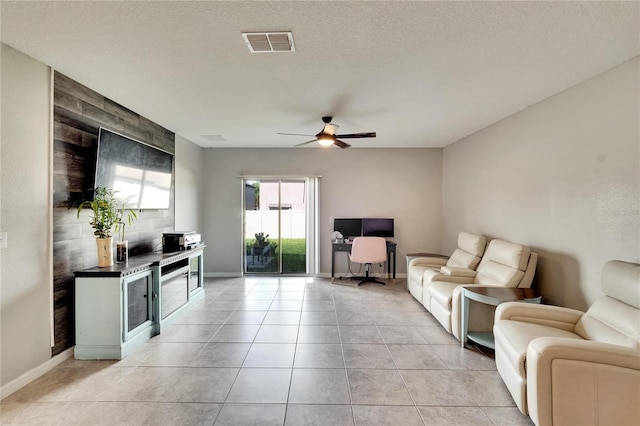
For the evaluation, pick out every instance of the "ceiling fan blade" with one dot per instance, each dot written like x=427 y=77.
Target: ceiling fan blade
x=306 y=143
x=341 y=144
x=293 y=134
x=358 y=135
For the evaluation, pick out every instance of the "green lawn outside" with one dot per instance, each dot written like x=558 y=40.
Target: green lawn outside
x=293 y=256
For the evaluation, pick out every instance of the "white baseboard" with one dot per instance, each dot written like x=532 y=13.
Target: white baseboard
x=222 y=274
x=239 y=275
x=33 y=374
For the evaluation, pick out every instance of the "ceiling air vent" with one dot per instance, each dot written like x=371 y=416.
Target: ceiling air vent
x=269 y=42
x=214 y=138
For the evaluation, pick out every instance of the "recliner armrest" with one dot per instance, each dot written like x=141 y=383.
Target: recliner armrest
x=435 y=262
x=551 y=316
x=582 y=382
x=458 y=272
x=434 y=275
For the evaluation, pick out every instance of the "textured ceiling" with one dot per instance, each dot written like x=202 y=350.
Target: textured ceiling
x=420 y=74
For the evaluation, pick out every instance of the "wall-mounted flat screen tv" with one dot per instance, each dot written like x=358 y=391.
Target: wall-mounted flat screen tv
x=141 y=174
x=349 y=228
x=377 y=228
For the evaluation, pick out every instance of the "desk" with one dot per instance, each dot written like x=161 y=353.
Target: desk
x=346 y=247
x=490 y=295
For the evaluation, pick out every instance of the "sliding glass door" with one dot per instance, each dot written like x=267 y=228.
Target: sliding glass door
x=276 y=226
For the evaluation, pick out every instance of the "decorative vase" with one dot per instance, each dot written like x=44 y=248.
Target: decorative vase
x=105 y=251
x=122 y=251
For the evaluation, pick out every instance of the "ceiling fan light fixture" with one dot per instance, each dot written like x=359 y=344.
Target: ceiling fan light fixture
x=325 y=140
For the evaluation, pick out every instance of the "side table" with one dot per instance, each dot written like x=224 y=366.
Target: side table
x=490 y=295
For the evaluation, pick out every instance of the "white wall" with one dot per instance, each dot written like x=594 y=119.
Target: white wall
x=189 y=165
x=404 y=184
x=25 y=268
x=562 y=176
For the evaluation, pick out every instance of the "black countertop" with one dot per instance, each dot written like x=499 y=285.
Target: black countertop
x=138 y=263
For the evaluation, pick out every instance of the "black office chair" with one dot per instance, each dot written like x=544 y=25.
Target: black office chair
x=368 y=250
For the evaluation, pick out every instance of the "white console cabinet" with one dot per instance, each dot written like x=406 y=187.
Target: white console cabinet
x=118 y=308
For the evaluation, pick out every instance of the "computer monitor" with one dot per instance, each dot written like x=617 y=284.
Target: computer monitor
x=376 y=227
x=349 y=228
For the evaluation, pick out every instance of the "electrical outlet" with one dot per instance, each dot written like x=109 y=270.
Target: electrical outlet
x=3 y=240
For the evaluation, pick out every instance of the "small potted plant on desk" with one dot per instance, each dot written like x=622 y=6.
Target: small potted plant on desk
x=107 y=215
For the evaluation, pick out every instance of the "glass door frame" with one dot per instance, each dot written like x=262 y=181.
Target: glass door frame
x=311 y=221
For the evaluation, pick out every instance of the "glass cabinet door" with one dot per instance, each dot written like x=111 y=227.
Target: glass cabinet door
x=174 y=287
x=137 y=301
x=195 y=266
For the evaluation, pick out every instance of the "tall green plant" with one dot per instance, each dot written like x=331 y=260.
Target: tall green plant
x=106 y=213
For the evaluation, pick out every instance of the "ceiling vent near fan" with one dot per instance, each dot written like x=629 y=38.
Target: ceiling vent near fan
x=214 y=138
x=281 y=41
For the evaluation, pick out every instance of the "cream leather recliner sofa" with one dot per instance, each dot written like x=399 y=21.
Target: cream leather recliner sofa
x=467 y=256
x=504 y=264
x=567 y=367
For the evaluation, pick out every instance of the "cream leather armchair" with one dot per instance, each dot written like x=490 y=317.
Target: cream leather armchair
x=466 y=256
x=567 y=367
x=504 y=264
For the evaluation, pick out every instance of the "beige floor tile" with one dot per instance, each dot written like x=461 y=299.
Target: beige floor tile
x=43 y=413
x=365 y=355
x=486 y=387
x=436 y=387
x=187 y=333
x=286 y=305
x=351 y=306
x=354 y=318
x=217 y=354
x=254 y=305
x=318 y=334
x=319 y=355
x=261 y=386
x=203 y=385
x=91 y=386
x=418 y=357
x=319 y=386
x=507 y=416
x=282 y=318
x=117 y=413
x=246 y=317
x=360 y=334
x=260 y=295
x=318 y=318
x=377 y=387
x=458 y=358
x=462 y=416
x=236 y=333
x=318 y=305
x=270 y=355
x=172 y=354
x=319 y=415
x=171 y=414
x=401 y=334
x=206 y=316
x=145 y=384
x=367 y=415
x=251 y=415
x=277 y=334
x=289 y=295
x=318 y=295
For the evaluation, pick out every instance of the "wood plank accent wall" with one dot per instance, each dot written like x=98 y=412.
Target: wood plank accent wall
x=79 y=112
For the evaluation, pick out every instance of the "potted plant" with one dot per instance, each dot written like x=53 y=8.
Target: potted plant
x=106 y=216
